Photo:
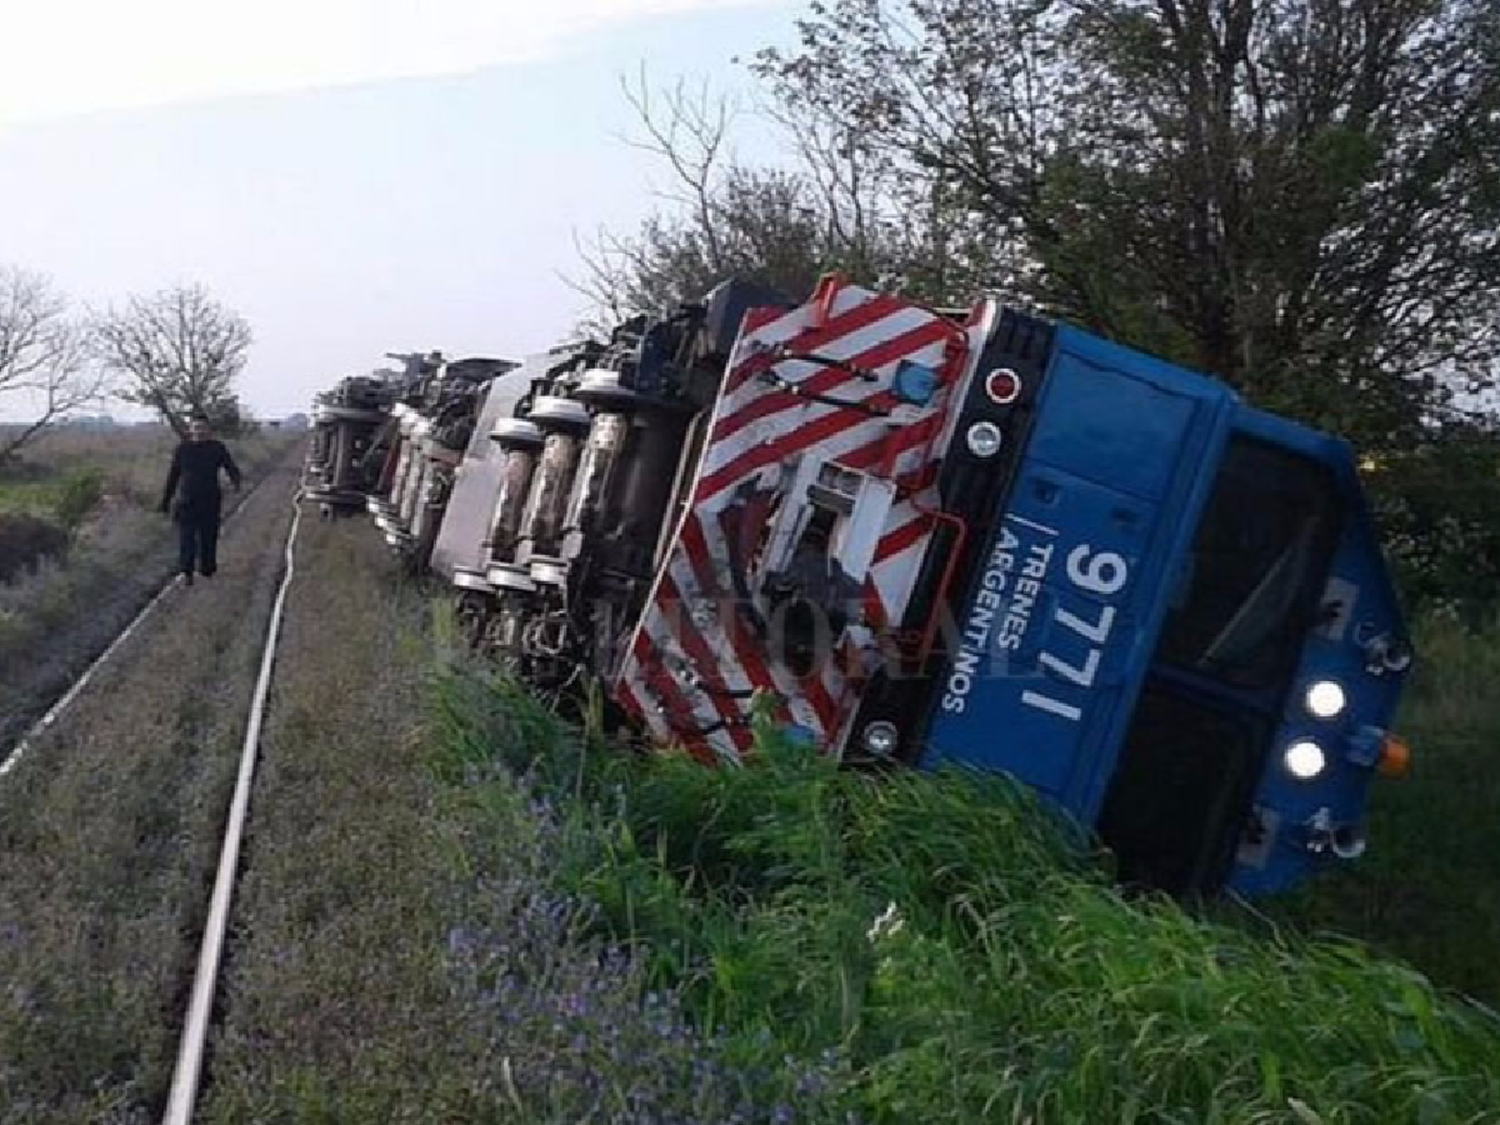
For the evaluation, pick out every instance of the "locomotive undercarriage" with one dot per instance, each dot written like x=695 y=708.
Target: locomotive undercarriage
x=426 y=431
x=596 y=463
x=346 y=424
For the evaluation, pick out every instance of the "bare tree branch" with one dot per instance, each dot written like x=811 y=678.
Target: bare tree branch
x=41 y=355
x=688 y=128
x=178 y=352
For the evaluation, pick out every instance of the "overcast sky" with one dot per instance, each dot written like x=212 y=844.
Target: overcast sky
x=354 y=176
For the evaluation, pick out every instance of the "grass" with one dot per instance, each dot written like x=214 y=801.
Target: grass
x=109 y=831
x=94 y=550
x=812 y=945
x=1429 y=889
x=334 y=970
x=131 y=462
x=400 y=951
x=65 y=496
x=937 y=949
x=457 y=908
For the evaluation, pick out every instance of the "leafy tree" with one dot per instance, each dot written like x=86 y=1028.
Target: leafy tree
x=179 y=353
x=1298 y=196
x=1438 y=503
x=1295 y=195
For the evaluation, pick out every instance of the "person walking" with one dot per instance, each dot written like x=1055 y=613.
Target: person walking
x=194 y=477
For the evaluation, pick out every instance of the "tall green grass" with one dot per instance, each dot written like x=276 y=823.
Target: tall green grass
x=1429 y=888
x=961 y=956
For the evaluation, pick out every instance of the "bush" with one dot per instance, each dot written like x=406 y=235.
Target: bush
x=1438 y=506
x=25 y=540
x=78 y=494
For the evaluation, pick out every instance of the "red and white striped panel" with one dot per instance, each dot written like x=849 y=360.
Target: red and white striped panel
x=695 y=661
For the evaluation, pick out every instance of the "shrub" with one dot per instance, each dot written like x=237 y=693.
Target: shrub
x=78 y=494
x=25 y=540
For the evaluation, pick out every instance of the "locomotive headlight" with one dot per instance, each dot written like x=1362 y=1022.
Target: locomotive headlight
x=1325 y=699
x=1304 y=760
x=983 y=439
x=879 y=738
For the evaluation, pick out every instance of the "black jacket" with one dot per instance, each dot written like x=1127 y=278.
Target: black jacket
x=195 y=468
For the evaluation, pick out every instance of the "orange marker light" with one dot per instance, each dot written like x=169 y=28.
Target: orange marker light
x=1395 y=757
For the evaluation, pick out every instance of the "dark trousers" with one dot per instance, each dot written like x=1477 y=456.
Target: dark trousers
x=198 y=537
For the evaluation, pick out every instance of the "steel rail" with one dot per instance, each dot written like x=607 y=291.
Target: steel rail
x=37 y=728
x=189 y=1070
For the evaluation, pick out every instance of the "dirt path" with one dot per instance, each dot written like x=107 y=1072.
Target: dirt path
x=109 y=831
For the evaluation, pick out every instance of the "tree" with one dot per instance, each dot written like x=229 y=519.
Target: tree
x=179 y=353
x=725 y=219
x=1295 y=195
x=832 y=207
x=40 y=355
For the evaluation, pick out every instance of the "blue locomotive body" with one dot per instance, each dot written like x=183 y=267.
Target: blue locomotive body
x=1176 y=622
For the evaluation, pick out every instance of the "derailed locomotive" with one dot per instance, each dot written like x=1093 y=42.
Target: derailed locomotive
x=926 y=536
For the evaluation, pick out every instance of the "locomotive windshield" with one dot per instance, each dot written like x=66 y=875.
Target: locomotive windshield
x=1228 y=648
x=1255 y=568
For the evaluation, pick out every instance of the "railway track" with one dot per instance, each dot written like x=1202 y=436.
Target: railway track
x=87 y=743
x=189 y=1069
x=11 y=757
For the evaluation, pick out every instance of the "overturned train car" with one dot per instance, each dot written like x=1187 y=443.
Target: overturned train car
x=420 y=447
x=346 y=423
x=924 y=536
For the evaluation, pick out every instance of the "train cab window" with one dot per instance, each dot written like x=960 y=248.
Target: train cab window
x=1256 y=565
x=1182 y=788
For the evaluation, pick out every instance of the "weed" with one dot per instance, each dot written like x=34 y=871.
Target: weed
x=78 y=493
x=405 y=954
x=960 y=955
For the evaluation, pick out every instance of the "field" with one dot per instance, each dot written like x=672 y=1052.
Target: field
x=82 y=548
x=455 y=907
